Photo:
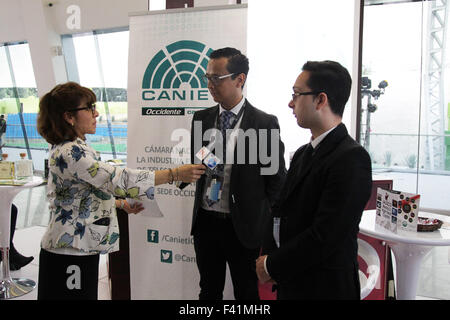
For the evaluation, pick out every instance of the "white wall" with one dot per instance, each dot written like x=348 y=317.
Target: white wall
x=24 y=20
x=94 y=14
x=281 y=38
x=42 y=25
x=11 y=21
x=37 y=35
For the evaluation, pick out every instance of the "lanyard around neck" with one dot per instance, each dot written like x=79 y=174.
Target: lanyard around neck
x=235 y=121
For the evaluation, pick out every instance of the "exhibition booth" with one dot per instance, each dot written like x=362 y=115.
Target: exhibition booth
x=145 y=60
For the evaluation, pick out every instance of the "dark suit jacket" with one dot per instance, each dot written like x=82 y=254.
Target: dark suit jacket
x=320 y=207
x=251 y=194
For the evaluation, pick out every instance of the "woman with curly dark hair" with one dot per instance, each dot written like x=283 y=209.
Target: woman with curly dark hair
x=81 y=195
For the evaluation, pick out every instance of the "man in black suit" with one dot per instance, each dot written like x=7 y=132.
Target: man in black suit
x=327 y=186
x=232 y=200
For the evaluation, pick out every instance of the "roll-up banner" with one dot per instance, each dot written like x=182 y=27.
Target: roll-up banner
x=168 y=53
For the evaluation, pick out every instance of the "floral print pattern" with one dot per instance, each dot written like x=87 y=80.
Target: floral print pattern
x=82 y=190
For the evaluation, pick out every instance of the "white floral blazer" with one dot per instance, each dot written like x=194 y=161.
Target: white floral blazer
x=81 y=191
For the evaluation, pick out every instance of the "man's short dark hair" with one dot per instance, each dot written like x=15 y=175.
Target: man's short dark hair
x=237 y=62
x=333 y=79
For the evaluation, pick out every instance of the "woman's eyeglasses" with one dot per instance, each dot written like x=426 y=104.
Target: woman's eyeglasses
x=91 y=107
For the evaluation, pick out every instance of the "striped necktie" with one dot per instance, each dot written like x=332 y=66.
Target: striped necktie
x=226 y=119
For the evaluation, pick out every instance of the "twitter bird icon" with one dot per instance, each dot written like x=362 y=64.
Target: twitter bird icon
x=166 y=256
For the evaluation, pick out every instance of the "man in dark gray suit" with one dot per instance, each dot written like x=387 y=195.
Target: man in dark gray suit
x=232 y=201
x=327 y=186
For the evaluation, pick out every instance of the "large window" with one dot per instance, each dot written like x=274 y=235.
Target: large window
x=405 y=100
x=405 y=97
x=99 y=60
x=19 y=104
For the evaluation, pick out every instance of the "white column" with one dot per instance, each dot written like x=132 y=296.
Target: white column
x=37 y=36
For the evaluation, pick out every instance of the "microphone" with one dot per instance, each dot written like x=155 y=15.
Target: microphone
x=183 y=185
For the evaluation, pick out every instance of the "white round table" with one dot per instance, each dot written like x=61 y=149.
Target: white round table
x=11 y=287
x=409 y=248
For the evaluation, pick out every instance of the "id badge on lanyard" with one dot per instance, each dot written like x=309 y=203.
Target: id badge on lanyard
x=215 y=174
x=216 y=169
x=214 y=191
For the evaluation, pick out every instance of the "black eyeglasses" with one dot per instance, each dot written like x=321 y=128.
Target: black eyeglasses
x=215 y=80
x=296 y=94
x=92 y=107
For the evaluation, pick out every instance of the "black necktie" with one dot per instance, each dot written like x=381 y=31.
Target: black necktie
x=307 y=154
x=303 y=161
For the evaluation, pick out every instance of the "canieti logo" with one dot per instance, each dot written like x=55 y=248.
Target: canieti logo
x=175 y=74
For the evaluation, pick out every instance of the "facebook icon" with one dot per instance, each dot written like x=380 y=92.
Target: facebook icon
x=153 y=236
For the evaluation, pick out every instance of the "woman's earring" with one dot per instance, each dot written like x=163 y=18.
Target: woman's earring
x=73 y=124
